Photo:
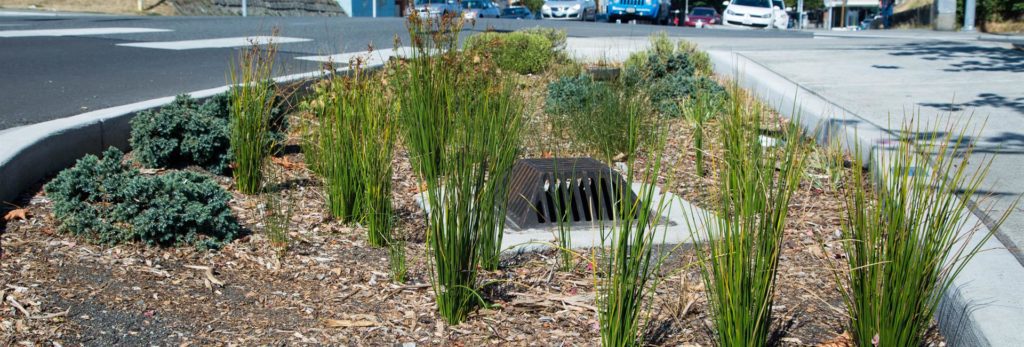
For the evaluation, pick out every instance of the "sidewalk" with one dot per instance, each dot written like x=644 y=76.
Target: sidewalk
x=878 y=79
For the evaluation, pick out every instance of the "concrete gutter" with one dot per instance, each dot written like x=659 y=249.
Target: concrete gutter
x=984 y=306
x=30 y=153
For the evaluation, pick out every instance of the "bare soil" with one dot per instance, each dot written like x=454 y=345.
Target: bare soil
x=95 y=6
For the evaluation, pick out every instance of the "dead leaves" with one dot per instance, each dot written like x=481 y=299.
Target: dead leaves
x=209 y=280
x=287 y=164
x=353 y=321
x=17 y=214
x=843 y=340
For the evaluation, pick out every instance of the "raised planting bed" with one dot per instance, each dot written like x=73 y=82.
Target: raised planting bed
x=298 y=275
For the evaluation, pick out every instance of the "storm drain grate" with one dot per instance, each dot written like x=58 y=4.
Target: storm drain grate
x=543 y=189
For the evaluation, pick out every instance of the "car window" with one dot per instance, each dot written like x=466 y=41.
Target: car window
x=753 y=3
x=778 y=3
x=424 y=2
x=473 y=4
x=703 y=12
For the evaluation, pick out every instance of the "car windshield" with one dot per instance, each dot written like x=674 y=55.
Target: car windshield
x=753 y=3
x=706 y=12
x=424 y=2
x=473 y=4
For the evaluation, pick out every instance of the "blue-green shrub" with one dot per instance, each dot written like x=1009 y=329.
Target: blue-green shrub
x=105 y=201
x=669 y=93
x=188 y=133
x=568 y=94
x=183 y=133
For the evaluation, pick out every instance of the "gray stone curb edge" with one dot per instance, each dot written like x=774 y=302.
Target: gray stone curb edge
x=32 y=152
x=985 y=305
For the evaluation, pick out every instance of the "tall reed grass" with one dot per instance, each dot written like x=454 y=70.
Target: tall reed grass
x=626 y=268
x=698 y=111
x=739 y=247
x=252 y=104
x=907 y=239
x=461 y=122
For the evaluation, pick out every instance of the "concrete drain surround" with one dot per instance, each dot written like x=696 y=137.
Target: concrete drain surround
x=677 y=217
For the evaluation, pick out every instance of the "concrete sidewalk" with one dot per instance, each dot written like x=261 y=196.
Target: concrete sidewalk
x=875 y=80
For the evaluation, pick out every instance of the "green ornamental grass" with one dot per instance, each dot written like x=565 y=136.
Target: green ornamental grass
x=742 y=243
x=907 y=239
x=626 y=269
x=252 y=106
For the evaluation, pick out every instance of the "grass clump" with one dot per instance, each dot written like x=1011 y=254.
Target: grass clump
x=743 y=242
x=106 y=201
x=522 y=52
x=374 y=143
x=698 y=110
x=462 y=131
x=601 y=116
x=252 y=106
x=627 y=268
x=908 y=239
x=182 y=133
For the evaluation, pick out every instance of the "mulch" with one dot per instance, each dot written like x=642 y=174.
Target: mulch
x=331 y=288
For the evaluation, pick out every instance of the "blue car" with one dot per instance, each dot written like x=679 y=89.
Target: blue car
x=654 y=11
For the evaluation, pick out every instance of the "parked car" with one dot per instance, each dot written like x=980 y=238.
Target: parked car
x=479 y=9
x=569 y=9
x=781 y=17
x=749 y=13
x=654 y=11
x=436 y=8
x=702 y=15
x=517 y=12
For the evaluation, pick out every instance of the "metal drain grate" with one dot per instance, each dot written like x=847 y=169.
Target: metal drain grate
x=589 y=190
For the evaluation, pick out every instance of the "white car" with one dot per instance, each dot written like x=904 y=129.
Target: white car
x=569 y=9
x=749 y=13
x=436 y=8
x=479 y=9
x=781 y=17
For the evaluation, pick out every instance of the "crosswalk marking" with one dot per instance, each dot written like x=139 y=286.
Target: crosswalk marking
x=77 y=32
x=214 y=43
x=379 y=56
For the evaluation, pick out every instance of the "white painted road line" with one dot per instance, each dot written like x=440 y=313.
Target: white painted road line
x=379 y=56
x=77 y=32
x=215 y=43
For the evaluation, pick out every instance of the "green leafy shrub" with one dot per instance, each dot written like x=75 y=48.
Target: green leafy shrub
x=568 y=94
x=556 y=36
x=183 y=133
x=106 y=201
x=524 y=53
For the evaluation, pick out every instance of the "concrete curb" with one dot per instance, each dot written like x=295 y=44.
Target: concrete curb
x=984 y=306
x=30 y=153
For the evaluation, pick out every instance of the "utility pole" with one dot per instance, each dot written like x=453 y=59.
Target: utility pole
x=799 y=14
x=140 y=5
x=245 y=9
x=969 y=8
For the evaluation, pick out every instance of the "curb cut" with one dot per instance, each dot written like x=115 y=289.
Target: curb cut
x=29 y=153
x=983 y=306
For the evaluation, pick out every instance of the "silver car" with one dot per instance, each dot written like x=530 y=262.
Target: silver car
x=479 y=9
x=437 y=8
x=569 y=9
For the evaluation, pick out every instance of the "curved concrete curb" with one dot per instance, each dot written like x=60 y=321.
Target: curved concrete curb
x=32 y=152
x=984 y=306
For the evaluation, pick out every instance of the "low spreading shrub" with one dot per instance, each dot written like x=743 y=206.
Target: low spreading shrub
x=183 y=133
x=106 y=201
x=668 y=94
x=568 y=94
x=522 y=52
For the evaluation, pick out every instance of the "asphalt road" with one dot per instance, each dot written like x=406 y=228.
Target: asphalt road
x=48 y=77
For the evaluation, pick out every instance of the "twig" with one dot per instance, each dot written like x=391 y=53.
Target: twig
x=18 y=306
